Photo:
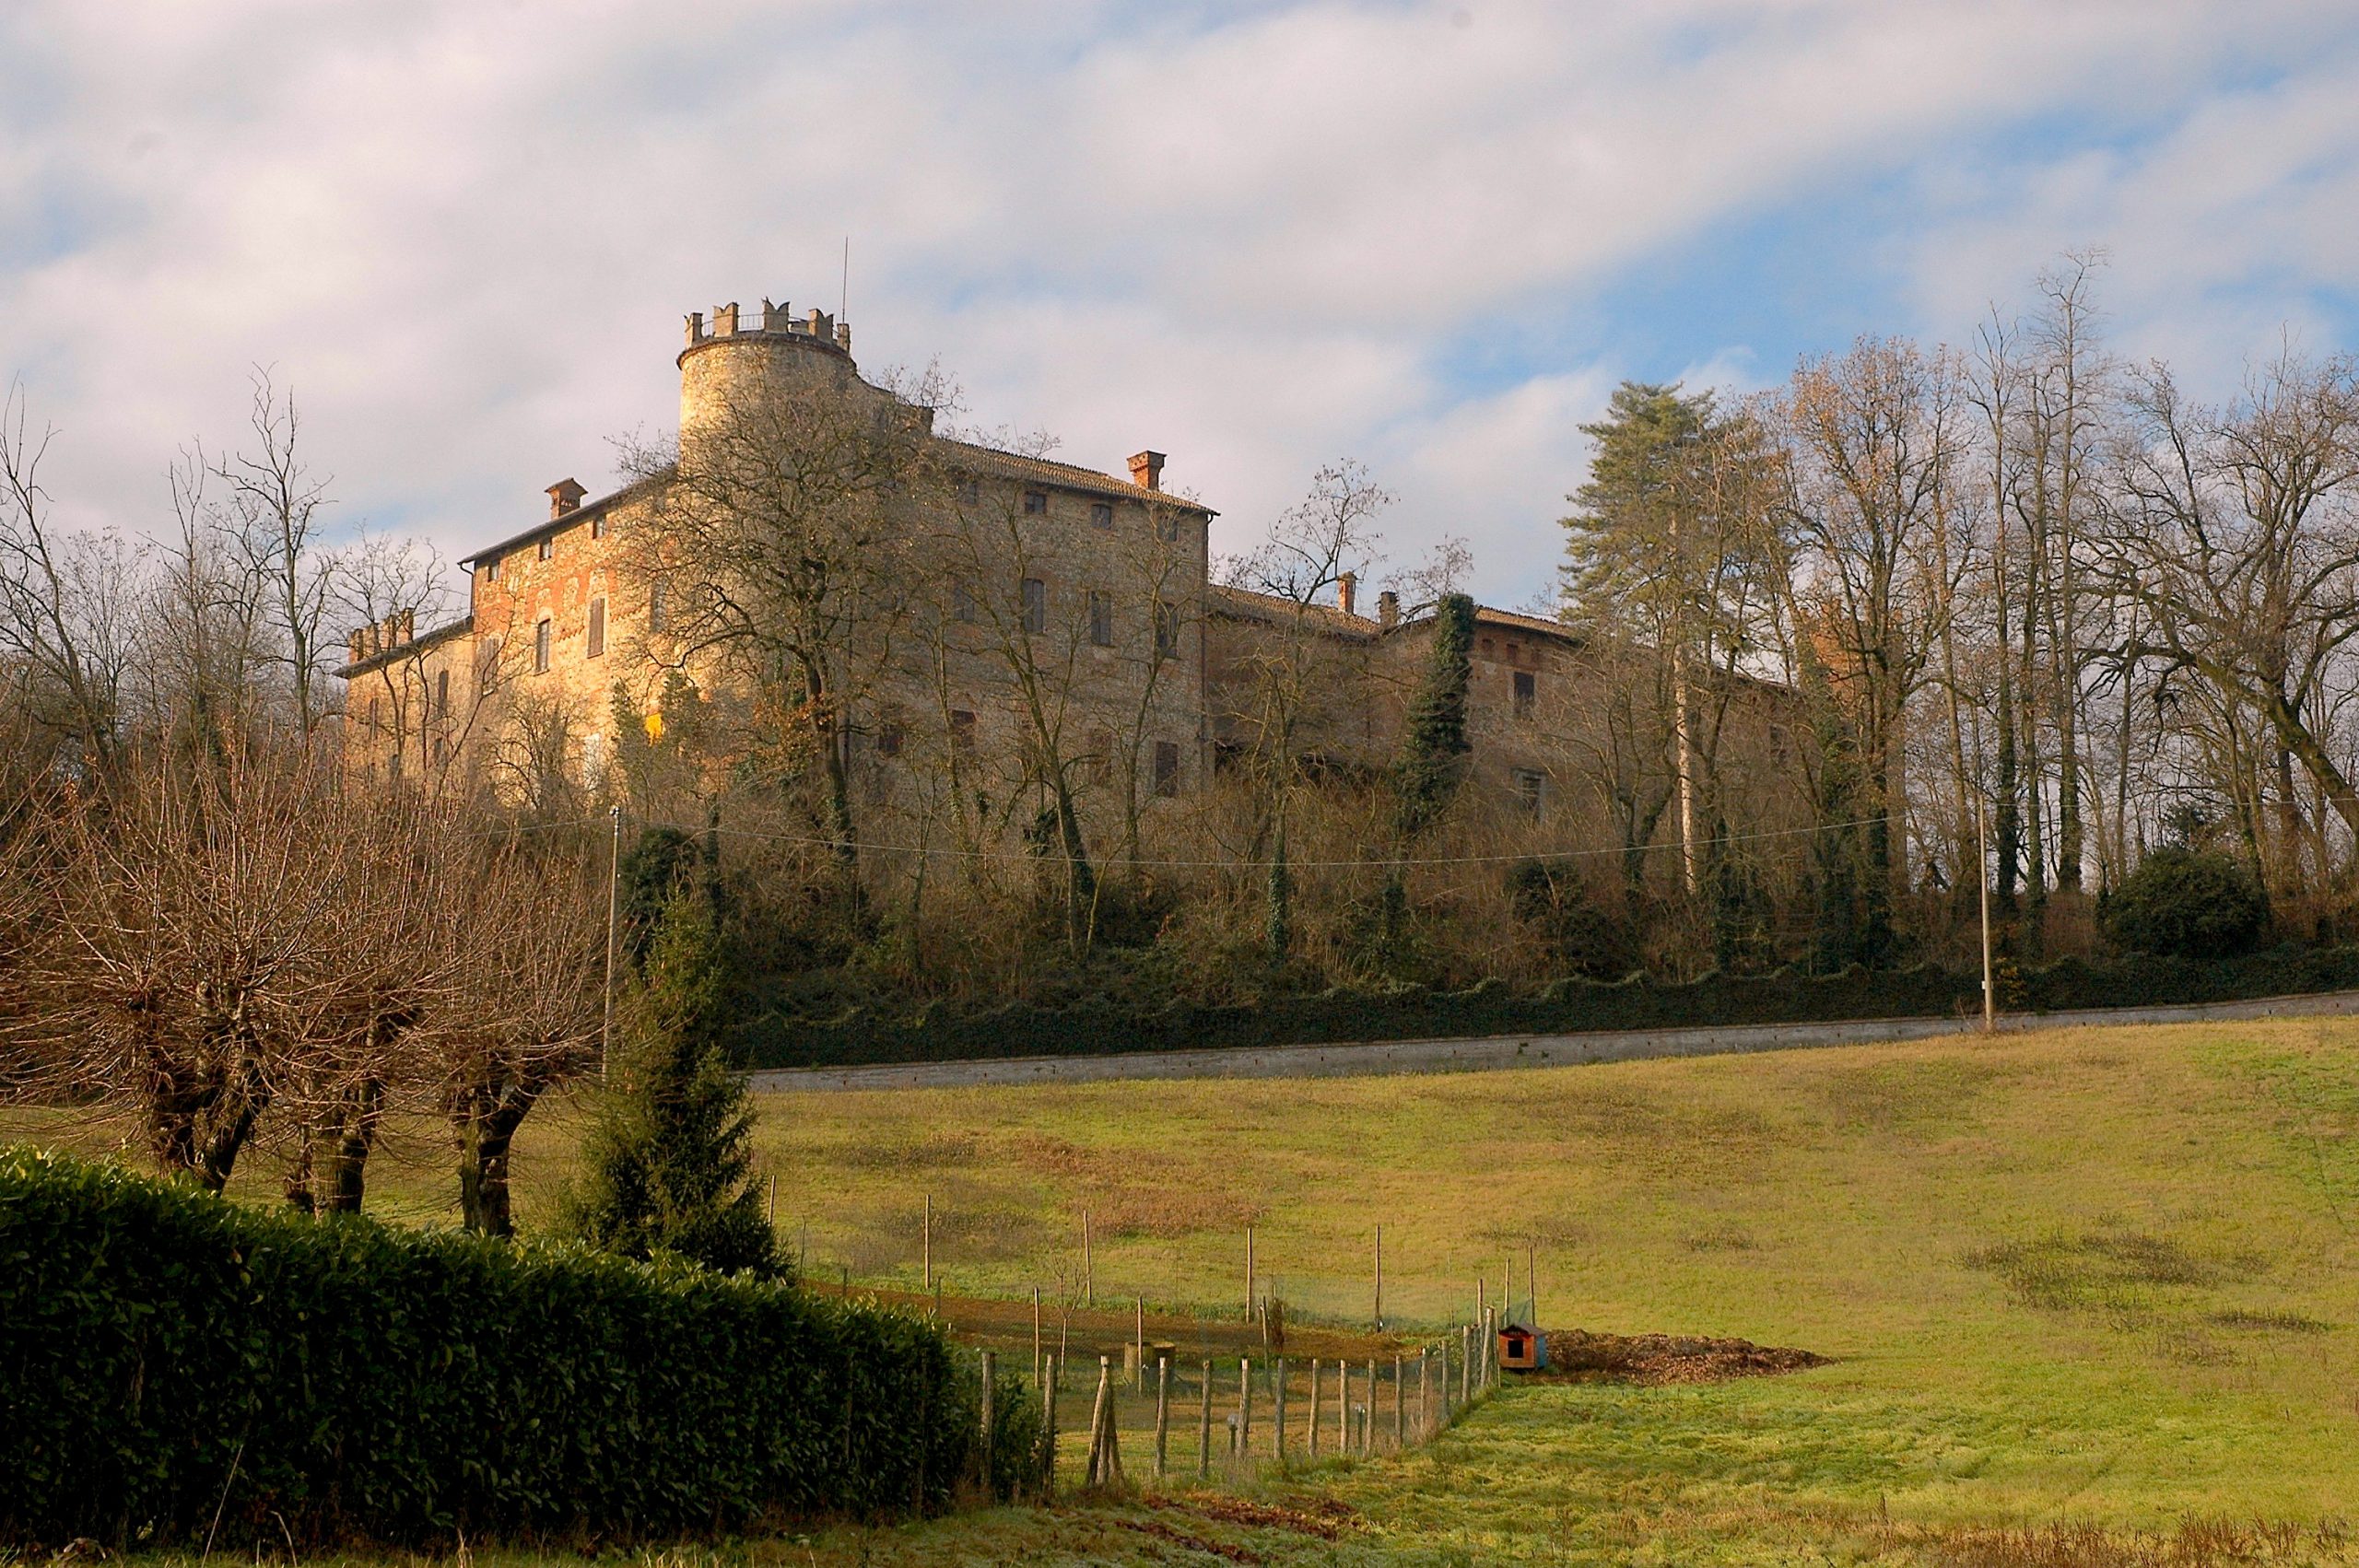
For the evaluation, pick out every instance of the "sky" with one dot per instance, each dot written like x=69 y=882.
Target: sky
x=1258 y=238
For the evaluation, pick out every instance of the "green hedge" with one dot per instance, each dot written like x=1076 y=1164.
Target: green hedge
x=166 y=1357
x=946 y=1031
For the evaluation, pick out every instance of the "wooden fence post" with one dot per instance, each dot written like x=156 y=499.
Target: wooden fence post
x=1400 y=1408
x=1098 y=1411
x=1049 y=1428
x=1204 y=1431
x=1244 y=1406
x=1379 y=1274
x=1465 y=1366
x=1368 y=1441
x=1425 y=1394
x=1343 y=1407
x=1162 y=1413
x=991 y=1375
x=1310 y=1428
x=1278 y=1411
x=1248 y=1274
x=1138 y=1304
x=1088 y=1272
x=1036 y=1333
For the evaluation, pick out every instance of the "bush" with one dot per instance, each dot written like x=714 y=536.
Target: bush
x=168 y=1358
x=2187 y=904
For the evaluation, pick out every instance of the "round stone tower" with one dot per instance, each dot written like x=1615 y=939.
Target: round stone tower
x=728 y=361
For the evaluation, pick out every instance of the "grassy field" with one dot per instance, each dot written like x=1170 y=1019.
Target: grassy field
x=2100 y=1279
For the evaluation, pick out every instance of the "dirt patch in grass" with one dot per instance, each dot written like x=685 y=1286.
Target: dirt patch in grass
x=1186 y=1542
x=1576 y=1355
x=1324 y=1517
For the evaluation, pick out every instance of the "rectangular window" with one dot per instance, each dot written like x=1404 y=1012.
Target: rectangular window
x=1527 y=688
x=598 y=527
x=595 y=639
x=659 y=604
x=1036 y=604
x=1166 y=767
x=1101 y=514
x=962 y=602
x=442 y=695
x=1166 y=631
x=962 y=729
x=1036 y=503
x=889 y=739
x=541 y=636
x=970 y=491
x=1531 y=787
x=492 y=570
x=1167 y=525
x=1102 y=618
x=548 y=548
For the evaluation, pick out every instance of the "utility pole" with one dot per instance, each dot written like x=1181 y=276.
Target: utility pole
x=1982 y=866
x=613 y=887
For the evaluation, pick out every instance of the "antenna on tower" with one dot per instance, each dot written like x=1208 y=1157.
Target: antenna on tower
x=843 y=296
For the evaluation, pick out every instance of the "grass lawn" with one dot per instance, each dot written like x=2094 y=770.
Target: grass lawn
x=2102 y=1277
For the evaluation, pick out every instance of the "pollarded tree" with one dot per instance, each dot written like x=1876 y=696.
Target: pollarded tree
x=670 y=1156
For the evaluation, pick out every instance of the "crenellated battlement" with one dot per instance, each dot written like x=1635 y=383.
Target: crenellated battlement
x=817 y=329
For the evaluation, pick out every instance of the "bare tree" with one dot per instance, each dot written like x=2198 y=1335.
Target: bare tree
x=67 y=604
x=2236 y=532
x=1874 y=443
x=272 y=504
x=775 y=538
x=1288 y=676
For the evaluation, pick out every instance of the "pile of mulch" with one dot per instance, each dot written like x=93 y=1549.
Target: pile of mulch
x=1576 y=1355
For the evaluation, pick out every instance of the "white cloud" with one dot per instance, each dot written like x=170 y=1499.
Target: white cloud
x=465 y=232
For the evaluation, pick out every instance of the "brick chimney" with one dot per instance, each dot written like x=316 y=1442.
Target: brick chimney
x=1146 y=470
x=1387 y=609
x=1347 y=591
x=564 y=496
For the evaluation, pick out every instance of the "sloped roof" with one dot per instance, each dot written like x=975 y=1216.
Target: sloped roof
x=1069 y=476
x=557 y=524
x=1246 y=603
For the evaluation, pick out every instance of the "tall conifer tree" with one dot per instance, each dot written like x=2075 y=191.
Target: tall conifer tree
x=670 y=1156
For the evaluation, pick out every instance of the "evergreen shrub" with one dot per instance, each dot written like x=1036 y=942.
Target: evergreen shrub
x=2184 y=903
x=178 y=1368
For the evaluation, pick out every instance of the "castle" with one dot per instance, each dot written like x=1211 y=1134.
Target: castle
x=948 y=626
